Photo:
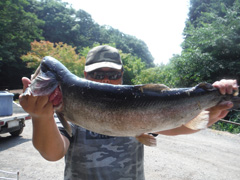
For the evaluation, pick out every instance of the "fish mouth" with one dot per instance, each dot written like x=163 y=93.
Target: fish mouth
x=56 y=98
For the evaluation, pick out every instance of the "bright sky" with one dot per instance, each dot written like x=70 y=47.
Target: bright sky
x=159 y=23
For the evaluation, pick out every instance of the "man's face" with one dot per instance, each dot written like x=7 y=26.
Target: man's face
x=105 y=75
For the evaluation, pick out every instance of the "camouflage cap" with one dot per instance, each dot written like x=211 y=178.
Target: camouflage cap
x=103 y=56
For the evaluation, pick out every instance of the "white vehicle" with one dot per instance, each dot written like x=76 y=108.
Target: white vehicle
x=15 y=122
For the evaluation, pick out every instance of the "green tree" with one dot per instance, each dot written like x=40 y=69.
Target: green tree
x=59 y=20
x=17 y=29
x=199 y=7
x=161 y=74
x=211 y=51
x=132 y=67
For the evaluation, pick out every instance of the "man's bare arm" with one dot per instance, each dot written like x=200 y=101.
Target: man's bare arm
x=46 y=137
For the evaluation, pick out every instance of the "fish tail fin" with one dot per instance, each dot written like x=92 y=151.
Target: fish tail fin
x=199 y=122
x=65 y=124
x=147 y=139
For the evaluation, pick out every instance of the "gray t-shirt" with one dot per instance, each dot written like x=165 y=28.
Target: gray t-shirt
x=93 y=156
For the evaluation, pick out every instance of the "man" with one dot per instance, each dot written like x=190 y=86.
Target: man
x=94 y=156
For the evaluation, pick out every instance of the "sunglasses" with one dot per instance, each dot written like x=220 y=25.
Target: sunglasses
x=100 y=75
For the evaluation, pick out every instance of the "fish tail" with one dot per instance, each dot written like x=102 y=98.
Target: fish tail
x=199 y=122
x=147 y=139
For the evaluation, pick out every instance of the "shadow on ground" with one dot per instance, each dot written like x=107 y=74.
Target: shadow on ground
x=7 y=142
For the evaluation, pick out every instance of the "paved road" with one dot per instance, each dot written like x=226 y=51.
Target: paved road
x=208 y=155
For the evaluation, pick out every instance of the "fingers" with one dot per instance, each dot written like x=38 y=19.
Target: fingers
x=223 y=114
x=225 y=105
x=23 y=101
x=219 y=111
x=37 y=102
x=217 y=116
x=38 y=106
x=42 y=101
x=226 y=86
x=25 y=82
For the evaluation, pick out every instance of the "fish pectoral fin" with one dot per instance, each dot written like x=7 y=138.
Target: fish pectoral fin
x=199 y=122
x=147 y=139
x=65 y=123
x=153 y=87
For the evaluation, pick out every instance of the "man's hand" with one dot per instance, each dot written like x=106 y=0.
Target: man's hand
x=46 y=136
x=38 y=107
x=221 y=110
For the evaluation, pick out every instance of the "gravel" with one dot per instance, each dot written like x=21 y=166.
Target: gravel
x=209 y=154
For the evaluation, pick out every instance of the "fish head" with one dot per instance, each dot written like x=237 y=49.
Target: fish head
x=44 y=82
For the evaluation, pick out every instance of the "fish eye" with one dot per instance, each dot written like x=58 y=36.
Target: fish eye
x=44 y=68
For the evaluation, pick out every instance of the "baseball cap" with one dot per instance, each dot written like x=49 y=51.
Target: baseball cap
x=103 y=56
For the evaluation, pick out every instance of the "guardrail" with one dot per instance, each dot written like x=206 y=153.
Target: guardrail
x=223 y=120
x=10 y=173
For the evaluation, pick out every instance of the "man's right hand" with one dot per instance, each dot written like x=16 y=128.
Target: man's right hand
x=37 y=106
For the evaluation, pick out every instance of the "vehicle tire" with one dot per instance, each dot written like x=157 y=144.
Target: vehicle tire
x=17 y=133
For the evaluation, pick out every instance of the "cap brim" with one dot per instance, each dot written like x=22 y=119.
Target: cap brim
x=95 y=66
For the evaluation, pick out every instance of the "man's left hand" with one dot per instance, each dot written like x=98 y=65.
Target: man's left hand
x=221 y=110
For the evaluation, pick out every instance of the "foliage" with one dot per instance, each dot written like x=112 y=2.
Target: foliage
x=224 y=126
x=57 y=18
x=132 y=67
x=211 y=50
x=199 y=7
x=66 y=54
x=162 y=74
x=17 y=29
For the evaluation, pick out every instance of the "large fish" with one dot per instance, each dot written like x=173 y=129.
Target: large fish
x=122 y=110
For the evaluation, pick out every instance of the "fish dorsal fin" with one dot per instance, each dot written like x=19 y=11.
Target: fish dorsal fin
x=153 y=87
x=206 y=86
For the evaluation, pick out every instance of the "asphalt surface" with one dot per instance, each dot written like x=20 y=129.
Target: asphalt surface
x=207 y=155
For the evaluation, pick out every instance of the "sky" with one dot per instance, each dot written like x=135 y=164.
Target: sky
x=159 y=23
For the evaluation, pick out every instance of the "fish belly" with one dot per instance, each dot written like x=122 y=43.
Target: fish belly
x=130 y=122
